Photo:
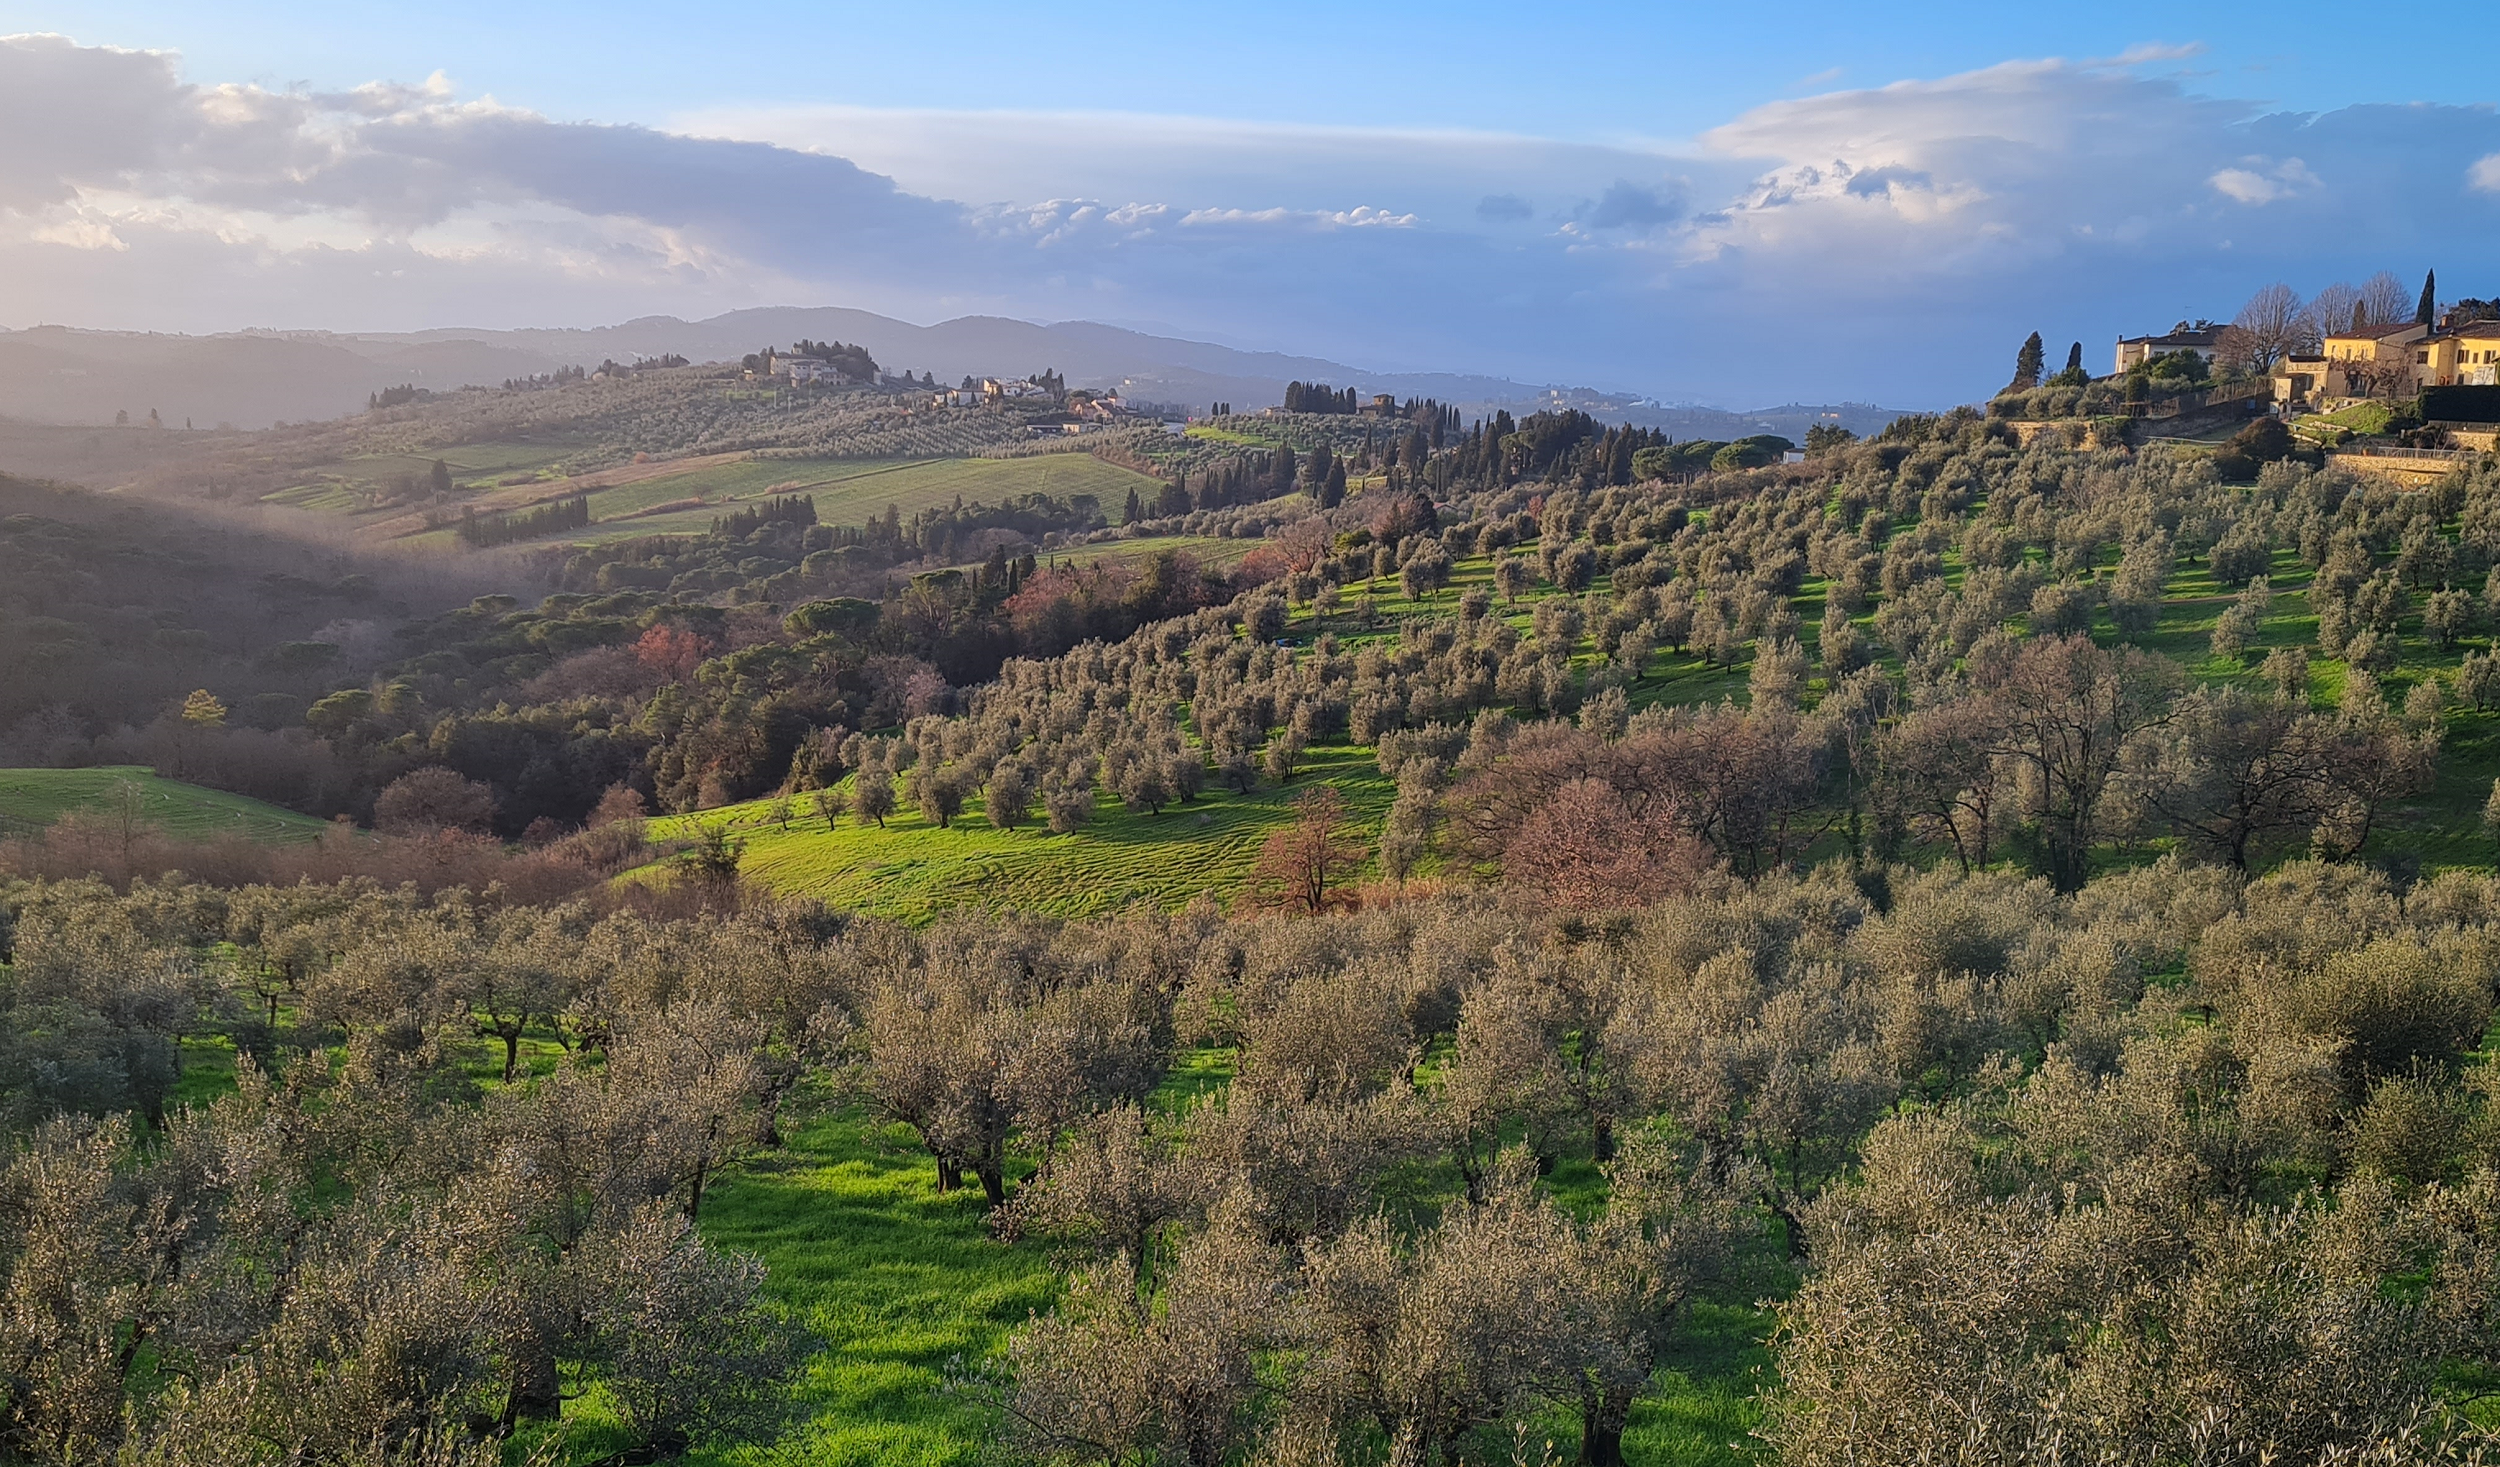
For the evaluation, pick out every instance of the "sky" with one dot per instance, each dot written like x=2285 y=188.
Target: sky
x=1734 y=204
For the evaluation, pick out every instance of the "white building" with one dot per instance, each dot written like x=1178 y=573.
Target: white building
x=2203 y=338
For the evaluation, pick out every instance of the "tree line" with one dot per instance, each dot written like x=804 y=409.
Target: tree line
x=483 y=531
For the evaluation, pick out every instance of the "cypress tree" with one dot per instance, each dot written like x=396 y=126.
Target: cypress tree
x=2074 y=357
x=2423 y=313
x=2028 y=363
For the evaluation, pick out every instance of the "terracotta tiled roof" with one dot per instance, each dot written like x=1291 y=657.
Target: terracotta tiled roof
x=2177 y=338
x=2373 y=333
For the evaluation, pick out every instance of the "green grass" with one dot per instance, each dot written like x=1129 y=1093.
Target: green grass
x=913 y=870
x=326 y=495
x=31 y=799
x=2362 y=417
x=1207 y=549
x=853 y=491
x=900 y=1283
x=896 y=1280
x=1703 y=1411
x=350 y=485
x=847 y=491
x=1208 y=433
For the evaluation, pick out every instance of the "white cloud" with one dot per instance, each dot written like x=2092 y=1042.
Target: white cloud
x=79 y=232
x=2263 y=181
x=2485 y=174
x=2147 y=52
x=1361 y=216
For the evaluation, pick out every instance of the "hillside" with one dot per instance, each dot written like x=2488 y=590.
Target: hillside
x=910 y=868
x=1742 y=881
x=57 y=375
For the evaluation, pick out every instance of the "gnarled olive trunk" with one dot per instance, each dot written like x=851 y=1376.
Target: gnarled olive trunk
x=1603 y=1414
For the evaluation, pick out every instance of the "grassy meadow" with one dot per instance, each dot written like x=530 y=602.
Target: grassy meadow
x=911 y=869
x=351 y=485
x=625 y=504
x=896 y=1280
x=31 y=799
x=853 y=491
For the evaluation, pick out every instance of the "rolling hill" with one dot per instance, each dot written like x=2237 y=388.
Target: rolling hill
x=57 y=374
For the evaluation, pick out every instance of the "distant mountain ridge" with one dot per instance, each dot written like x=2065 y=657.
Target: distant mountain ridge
x=250 y=379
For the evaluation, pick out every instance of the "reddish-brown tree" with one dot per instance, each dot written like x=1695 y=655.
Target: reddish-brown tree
x=432 y=799
x=1585 y=850
x=1298 y=864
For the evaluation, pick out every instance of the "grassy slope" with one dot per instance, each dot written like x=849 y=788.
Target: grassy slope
x=851 y=491
x=847 y=491
x=33 y=798
x=346 y=485
x=1206 y=549
x=912 y=869
x=895 y=1278
x=899 y=1281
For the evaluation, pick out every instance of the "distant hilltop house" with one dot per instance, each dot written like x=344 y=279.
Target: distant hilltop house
x=2202 y=337
x=1090 y=407
x=809 y=362
x=994 y=389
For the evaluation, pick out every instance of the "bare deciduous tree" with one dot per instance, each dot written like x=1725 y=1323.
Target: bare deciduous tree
x=2272 y=326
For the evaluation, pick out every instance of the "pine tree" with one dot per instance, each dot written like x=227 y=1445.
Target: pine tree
x=2028 y=364
x=203 y=709
x=2423 y=313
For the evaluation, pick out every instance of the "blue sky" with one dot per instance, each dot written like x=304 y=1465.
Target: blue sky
x=1631 y=197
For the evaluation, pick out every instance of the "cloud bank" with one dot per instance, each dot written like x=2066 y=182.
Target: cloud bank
x=1887 y=243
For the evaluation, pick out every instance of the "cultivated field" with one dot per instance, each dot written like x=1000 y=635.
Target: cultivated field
x=626 y=503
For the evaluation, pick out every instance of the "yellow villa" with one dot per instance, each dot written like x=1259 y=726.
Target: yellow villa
x=2464 y=355
x=2396 y=359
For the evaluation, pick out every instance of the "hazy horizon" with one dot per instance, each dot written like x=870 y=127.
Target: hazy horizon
x=1449 y=197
